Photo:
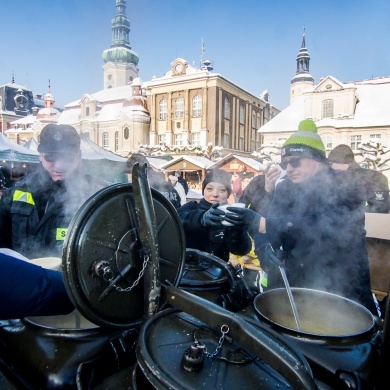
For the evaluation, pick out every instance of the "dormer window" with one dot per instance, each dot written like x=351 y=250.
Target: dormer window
x=327 y=108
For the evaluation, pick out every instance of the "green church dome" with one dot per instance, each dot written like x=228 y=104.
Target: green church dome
x=120 y=54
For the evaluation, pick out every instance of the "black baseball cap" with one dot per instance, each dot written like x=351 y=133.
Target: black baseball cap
x=58 y=138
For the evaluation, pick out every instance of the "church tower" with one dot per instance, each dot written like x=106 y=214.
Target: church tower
x=303 y=80
x=120 y=62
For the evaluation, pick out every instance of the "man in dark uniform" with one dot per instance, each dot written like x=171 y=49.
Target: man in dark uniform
x=375 y=183
x=36 y=211
x=155 y=180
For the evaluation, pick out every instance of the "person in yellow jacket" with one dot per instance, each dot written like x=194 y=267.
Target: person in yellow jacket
x=36 y=211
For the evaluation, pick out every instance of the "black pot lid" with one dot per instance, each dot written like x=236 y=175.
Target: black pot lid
x=164 y=339
x=103 y=245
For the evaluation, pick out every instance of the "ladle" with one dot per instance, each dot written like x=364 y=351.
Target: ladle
x=271 y=255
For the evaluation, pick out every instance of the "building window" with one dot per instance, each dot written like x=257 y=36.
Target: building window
x=162 y=139
x=195 y=139
x=179 y=139
x=242 y=114
x=253 y=145
x=258 y=124
x=87 y=111
x=253 y=119
x=376 y=138
x=227 y=109
x=105 y=140
x=197 y=106
x=179 y=108
x=241 y=144
x=126 y=133
x=327 y=140
x=116 y=141
x=356 y=140
x=327 y=108
x=163 y=109
x=226 y=140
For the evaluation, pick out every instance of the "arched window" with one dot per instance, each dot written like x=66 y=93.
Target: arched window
x=227 y=109
x=327 y=108
x=105 y=140
x=242 y=114
x=179 y=108
x=163 y=109
x=197 y=106
x=126 y=133
x=116 y=141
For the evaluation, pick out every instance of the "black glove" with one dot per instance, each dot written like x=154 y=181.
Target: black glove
x=213 y=216
x=243 y=218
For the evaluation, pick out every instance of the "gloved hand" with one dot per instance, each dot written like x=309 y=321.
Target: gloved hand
x=243 y=218
x=213 y=216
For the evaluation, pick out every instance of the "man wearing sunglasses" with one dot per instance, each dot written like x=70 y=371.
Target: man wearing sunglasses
x=315 y=223
x=36 y=211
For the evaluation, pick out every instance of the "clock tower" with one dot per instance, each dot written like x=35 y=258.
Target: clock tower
x=120 y=62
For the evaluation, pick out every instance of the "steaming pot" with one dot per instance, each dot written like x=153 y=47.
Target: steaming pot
x=339 y=337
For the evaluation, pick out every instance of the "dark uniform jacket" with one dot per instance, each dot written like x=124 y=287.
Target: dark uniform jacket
x=319 y=227
x=36 y=211
x=255 y=196
x=217 y=240
x=165 y=188
x=376 y=187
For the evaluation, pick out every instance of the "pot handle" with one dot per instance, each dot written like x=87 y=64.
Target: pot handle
x=265 y=347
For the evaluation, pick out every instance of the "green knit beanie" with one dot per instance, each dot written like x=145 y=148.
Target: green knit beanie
x=305 y=142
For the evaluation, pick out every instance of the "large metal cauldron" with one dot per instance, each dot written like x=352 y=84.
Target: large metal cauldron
x=338 y=336
x=185 y=350
x=211 y=278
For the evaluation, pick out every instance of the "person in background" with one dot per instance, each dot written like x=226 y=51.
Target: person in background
x=237 y=187
x=155 y=180
x=179 y=188
x=259 y=192
x=182 y=181
x=315 y=223
x=376 y=185
x=30 y=290
x=203 y=221
x=36 y=211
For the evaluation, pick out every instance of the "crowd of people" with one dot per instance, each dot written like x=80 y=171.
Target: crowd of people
x=309 y=211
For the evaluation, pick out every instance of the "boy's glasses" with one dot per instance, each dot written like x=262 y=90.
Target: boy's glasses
x=295 y=163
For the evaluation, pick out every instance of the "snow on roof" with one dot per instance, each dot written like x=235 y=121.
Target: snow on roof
x=287 y=120
x=107 y=95
x=201 y=162
x=156 y=162
x=109 y=112
x=372 y=109
x=26 y=120
x=251 y=162
x=70 y=116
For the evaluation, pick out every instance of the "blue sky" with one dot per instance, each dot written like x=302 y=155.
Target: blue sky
x=253 y=43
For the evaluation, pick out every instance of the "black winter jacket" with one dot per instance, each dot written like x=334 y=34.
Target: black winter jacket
x=36 y=211
x=319 y=225
x=217 y=240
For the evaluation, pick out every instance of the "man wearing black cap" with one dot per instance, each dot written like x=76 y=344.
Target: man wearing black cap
x=36 y=211
x=375 y=183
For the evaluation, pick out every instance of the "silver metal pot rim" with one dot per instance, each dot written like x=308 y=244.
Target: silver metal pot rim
x=358 y=307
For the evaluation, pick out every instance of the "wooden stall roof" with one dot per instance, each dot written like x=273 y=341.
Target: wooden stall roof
x=236 y=163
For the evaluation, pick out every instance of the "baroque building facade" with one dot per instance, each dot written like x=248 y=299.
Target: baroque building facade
x=352 y=113
x=187 y=106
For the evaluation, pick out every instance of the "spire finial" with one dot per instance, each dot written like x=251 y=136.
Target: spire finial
x=49 y=85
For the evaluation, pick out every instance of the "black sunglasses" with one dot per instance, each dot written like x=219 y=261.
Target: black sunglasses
x=295 y=163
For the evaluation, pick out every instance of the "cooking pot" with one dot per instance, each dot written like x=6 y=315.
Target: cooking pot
x=339 y=337
x=321 y=314
x=206 y=346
